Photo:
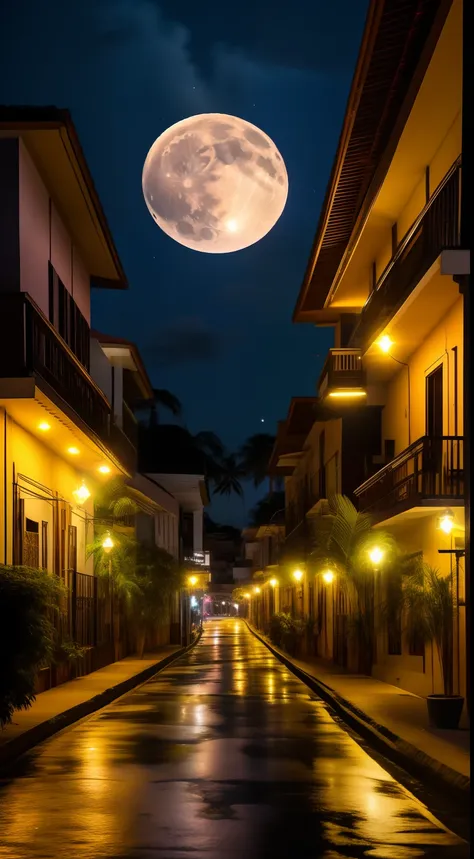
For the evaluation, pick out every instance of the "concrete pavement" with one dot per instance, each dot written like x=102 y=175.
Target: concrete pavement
x=225 y=753
x=65 y=704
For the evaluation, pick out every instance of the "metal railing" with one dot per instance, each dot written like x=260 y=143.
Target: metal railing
x=342 y=369
x=30 y=345
x=430 y=468
x=436 y=229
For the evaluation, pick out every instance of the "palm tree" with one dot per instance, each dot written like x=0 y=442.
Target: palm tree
x=255 y=454
x=343 y=541
x=229 y=475
x=161 y=398
x=267 y=509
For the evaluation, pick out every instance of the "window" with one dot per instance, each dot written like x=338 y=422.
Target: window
x=31 y=544
x=44 y=545
x=68 y=320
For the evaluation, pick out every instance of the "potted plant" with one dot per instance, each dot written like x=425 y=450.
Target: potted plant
x=430 y=605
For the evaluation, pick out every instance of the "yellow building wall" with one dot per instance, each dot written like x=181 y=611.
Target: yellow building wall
x=31 y=460
x=423 y=677
x=436 y=350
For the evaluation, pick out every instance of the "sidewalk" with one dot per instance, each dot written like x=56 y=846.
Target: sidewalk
x=394 y=717
x=59 y=707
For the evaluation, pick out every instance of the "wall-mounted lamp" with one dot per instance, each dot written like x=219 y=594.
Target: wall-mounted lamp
x=385 y=344
x=273 y=582
x=297 y=575
x=446 y=521
x=328 y=577
x=81 y=494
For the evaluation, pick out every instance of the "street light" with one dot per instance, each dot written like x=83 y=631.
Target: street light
x=193 y=580
x=247 y=596
x=328 y=577
x=107 y=543
x=273 y=583
x=297 y=575
x=81 y=494
x=256 y=590
x=446 y=521
x=376 y=555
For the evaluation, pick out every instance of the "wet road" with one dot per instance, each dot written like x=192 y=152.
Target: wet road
x=223 y=754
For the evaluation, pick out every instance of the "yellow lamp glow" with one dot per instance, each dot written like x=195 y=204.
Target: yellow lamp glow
x=193 y=580
x=376 y=555
x=298 y=575
x=347 y=394
x=44 y=426
x=82 y=494
x=328 y=577
x=256 y=590
x=446 y=522
x=247 y=596
x=104 y=469
x=273 y=582
x=107 y=543
x=385 y=344
x=74 y=451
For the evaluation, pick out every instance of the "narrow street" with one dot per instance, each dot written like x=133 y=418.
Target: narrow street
x=224 y=753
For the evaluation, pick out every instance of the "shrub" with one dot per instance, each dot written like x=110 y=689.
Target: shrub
x=29 y=598
x=286 y=631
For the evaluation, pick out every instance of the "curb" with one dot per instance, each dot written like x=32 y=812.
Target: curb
x=11 y=750
x=404 y=754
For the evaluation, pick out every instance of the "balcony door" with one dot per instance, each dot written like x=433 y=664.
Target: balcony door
x=434 y=431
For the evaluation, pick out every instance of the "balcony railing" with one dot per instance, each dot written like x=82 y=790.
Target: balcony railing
x=436 y=229
x=342 y=370
x=430 y=470
x=30 y=346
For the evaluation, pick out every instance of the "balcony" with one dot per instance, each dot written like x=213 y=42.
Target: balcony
x=343 y=375
x=429 y=473
x=31 y=347
x=436 y=229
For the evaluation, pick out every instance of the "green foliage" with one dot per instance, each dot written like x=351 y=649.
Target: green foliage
x=230 y=475
x=29 y=600
x=430 y=605
x=69 y=651
x=255 y=455
x=238 y=595
x=343 y=541
x=271 y=508
x=286 y=631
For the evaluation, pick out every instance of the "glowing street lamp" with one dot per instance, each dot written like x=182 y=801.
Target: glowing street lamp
x=328 y=577
x=107 y=543
x=273 y=583
x=192 y=581
x=247 y=596
x=297 y=575
x=256 y=590
x=81 y=494
x=446 y=521
x=385 y=344
x=376 y=555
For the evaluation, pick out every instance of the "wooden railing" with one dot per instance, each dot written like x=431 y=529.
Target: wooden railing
x=342 y=369
x=30 y=346
x=436 y=229
x=429 y=469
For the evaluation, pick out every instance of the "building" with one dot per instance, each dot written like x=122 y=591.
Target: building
x=386 y=271
x=66 y=393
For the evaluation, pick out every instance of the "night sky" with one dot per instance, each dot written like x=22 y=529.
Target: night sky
x=215 y=330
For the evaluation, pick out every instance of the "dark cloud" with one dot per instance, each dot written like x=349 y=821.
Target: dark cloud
x=185 y=341
x=298 y=34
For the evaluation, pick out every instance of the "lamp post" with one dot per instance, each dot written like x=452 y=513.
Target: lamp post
x=298 y=577
x=376 y=556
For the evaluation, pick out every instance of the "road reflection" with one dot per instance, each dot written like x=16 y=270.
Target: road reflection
x=225 y=753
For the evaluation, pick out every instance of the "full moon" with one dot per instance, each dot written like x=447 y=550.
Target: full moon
x=215 y=183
